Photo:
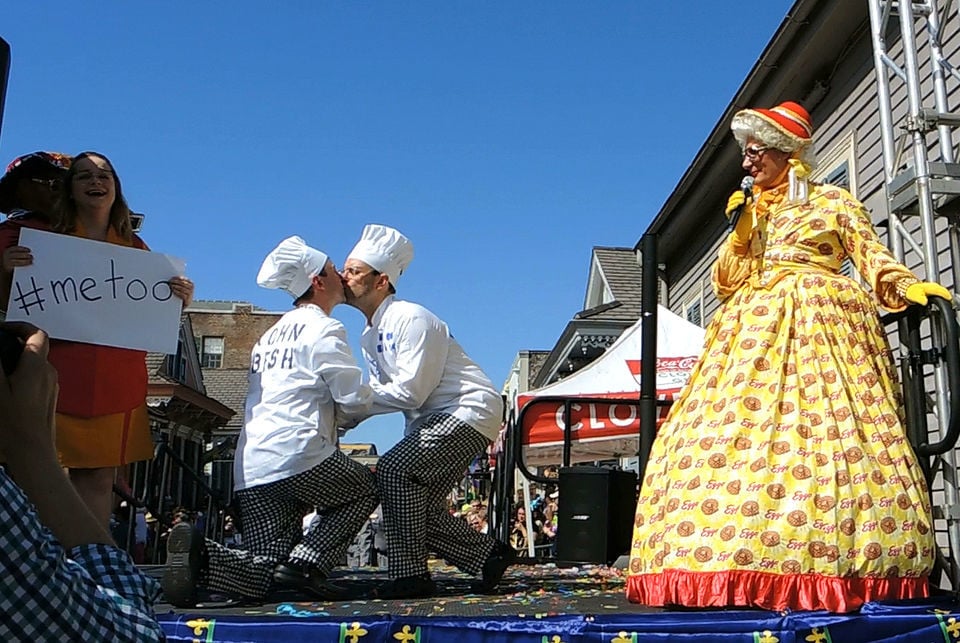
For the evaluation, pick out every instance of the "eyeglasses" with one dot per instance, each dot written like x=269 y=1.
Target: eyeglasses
x=357 y=272
x=52 y=184
x=84 y=177
x=753 y=152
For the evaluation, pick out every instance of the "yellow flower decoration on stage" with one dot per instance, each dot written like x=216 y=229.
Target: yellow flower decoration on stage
x=623 y=637
x=406 y=636
x=819 y=635
x=950 y=628
x=556 y=639
x=199 y=625
x=765 y=637
x=351 y=634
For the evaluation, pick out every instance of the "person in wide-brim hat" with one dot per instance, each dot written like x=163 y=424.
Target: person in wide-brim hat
x=28 y=195
x=31 y=182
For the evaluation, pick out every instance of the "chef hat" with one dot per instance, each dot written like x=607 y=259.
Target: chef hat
x=383 y=249
x=291 y=266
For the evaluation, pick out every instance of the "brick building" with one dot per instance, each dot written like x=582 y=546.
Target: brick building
x=224 y=333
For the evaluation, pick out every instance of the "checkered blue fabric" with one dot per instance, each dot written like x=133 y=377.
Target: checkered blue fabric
x=90 y=593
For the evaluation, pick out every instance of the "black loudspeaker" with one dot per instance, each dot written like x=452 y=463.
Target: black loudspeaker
x=596 y=512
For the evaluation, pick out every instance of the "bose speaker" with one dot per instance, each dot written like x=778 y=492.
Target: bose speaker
x=596 y=511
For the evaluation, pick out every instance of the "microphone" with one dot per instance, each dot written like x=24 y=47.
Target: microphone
x=747 y=186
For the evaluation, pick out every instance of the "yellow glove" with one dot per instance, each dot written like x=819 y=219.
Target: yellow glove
x=735 y=201
x=745 y=223
x=917 y=293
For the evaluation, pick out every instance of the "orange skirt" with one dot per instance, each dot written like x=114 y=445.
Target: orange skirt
x=104 y=441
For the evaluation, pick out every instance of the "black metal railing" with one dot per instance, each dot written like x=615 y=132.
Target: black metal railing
x=152 y=484
x=943 y=327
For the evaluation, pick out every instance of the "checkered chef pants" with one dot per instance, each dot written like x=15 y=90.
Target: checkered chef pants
x=344 y=493
x=413 y=479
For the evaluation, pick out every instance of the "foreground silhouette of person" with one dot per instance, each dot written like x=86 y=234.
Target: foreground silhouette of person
x=62 y=578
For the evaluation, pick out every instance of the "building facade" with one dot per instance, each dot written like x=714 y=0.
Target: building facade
x=225 y=333
x=183 y=420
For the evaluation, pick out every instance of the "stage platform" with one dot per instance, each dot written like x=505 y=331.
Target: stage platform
x=539 y=604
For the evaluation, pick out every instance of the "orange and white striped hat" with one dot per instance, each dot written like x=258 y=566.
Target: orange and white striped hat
x=789 y=118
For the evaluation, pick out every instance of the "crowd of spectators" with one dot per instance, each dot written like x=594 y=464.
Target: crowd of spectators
x=541 y=529
x=142 y=535
x=543 y=520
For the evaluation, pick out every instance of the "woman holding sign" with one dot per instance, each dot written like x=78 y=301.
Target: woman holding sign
x=102 y=420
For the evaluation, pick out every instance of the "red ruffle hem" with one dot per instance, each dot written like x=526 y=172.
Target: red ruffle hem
x=768 y=591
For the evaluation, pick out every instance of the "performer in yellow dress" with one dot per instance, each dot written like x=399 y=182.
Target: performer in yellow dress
x=782 y=477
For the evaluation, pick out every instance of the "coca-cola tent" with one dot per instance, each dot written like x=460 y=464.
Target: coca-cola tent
x=603 y=430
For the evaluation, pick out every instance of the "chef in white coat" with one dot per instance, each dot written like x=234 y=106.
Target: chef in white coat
x=452 y=410
x=304 y=382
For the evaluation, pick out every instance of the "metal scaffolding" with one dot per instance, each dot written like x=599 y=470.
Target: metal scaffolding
x=922 y=181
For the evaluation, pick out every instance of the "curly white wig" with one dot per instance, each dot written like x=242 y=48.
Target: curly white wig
x=749 y=125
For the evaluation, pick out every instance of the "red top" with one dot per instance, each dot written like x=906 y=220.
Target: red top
x=94 y=380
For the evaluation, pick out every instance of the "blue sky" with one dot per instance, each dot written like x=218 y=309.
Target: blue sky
x=506 y=139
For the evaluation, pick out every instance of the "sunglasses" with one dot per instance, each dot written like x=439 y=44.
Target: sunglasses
x=52 y=184
x=753 y=152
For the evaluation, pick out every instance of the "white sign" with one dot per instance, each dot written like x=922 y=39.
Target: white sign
x=97 y=293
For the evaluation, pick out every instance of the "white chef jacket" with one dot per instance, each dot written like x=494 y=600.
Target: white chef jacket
x=304 y=382
x=416 y=366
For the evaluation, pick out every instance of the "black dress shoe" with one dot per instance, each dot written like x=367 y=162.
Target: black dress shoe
x=181 y=573
x=420 y=586
x=308 y=579
x=501 y=557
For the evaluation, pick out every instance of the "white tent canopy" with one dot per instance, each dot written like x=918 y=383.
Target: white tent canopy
x=608 y=430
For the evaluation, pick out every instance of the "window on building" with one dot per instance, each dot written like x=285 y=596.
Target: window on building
x=211 y=352
x=835 y=167
x=176 y=366
x=839 y=176
x=693 y=312
x=837 y=164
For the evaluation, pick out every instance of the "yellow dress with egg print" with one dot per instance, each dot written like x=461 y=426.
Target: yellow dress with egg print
x=782 y=477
